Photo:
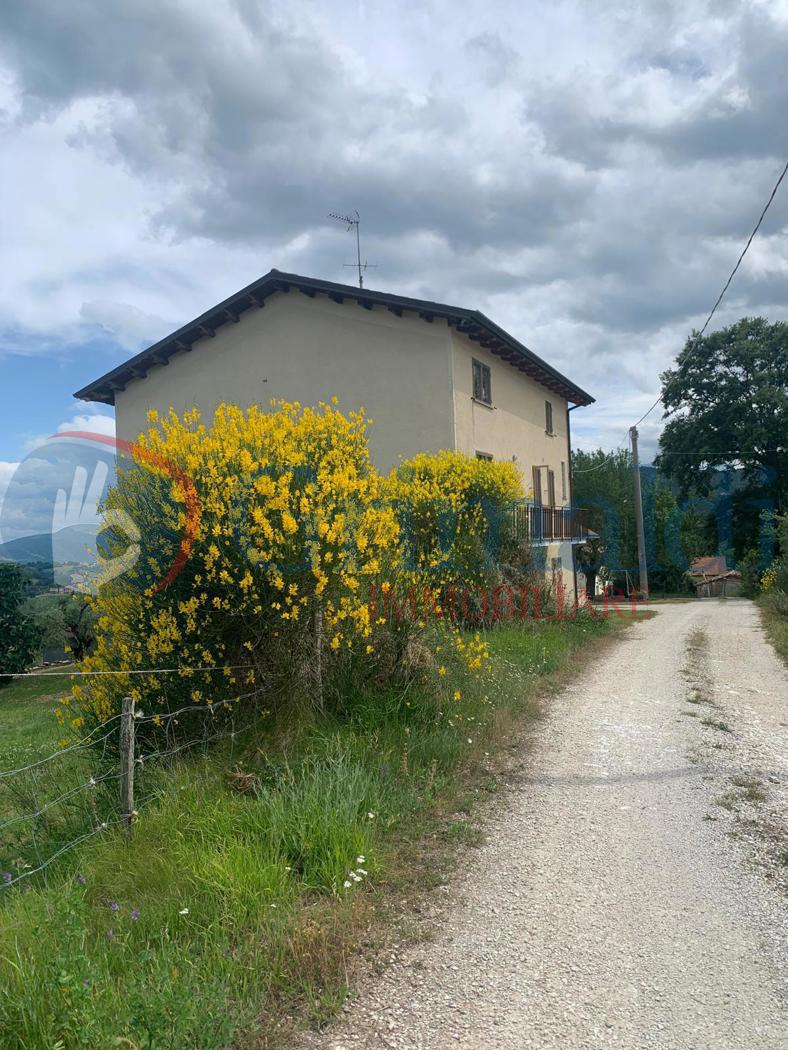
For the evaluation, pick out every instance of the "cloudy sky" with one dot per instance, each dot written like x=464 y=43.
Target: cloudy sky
x=583 y=172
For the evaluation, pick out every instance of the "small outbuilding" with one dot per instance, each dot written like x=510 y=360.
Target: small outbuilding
x=713 y=579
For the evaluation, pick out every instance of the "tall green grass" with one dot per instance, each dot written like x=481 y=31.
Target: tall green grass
x=774 y=616
x=29 y=729
x=224 y=909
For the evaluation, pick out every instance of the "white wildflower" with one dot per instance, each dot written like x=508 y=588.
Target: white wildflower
x=184 y=911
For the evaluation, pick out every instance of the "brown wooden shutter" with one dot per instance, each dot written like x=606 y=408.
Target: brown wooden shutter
x=537 y=475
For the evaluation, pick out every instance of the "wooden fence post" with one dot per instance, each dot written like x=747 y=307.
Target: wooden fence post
x=127 y=762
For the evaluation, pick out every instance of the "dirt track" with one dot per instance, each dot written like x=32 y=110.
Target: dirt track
x=627 y=895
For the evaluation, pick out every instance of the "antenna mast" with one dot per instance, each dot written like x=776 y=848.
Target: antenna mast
x=353 y=224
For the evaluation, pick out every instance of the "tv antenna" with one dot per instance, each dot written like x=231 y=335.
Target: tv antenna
x=354 y=224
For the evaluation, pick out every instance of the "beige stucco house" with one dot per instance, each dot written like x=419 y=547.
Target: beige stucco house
x=431 y=376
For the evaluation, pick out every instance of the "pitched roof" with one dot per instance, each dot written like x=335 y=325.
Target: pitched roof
x=713 y=566
x=472 y=323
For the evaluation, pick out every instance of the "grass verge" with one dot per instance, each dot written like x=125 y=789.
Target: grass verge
x=227 y=912
x=26 y=707
x=775 y=624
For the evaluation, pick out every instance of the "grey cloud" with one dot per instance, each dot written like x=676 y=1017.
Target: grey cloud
x=734 y=112
x=591 y=206
x=499 y=60
x=266 y=139
x=129 y=326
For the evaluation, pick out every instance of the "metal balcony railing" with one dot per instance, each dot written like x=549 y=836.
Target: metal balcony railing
x=541 y=524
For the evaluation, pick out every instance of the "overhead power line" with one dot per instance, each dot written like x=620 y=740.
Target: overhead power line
x=720 y=297
x=694 y=455
x=728 y=452
x=733 y=273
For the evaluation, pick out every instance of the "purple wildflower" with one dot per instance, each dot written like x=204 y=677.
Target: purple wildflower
x=7 y=877
x=135 y=913
x=114 y=906
x=81 y=880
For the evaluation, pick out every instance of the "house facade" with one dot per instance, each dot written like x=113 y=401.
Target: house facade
x=431 y=376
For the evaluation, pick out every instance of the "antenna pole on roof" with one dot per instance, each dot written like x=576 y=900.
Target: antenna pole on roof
x=353 y=224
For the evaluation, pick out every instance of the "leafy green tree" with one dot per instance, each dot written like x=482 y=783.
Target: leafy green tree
x=20 y=637
x=698 y=536
x=727 y=405
x=46 y=612
x=602 y=486
x=79 y=621
x=675 y=535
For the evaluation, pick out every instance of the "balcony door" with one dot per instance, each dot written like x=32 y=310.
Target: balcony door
x=537 y=476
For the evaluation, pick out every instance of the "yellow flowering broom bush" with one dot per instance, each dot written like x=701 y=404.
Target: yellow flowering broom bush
x=266 y=541
x=274 y=523
x=452 y=510
x=454 y=518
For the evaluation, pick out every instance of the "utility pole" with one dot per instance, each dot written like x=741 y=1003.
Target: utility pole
x=633 y=435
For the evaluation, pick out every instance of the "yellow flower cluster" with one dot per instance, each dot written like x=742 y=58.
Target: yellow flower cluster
x=451 y=507
x=261 y=535
x=474 y=652
x=769 y=578
x=291 y=525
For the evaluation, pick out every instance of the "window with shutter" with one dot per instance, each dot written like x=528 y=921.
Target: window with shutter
x=482 y=383
x=548 y=417
x=537 y=476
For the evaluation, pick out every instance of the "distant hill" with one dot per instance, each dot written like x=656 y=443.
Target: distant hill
x=75 y=544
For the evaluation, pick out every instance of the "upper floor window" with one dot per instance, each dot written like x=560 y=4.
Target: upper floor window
x=482 y=386
x=548 y=417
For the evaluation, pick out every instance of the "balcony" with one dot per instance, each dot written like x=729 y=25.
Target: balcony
x=540 y=524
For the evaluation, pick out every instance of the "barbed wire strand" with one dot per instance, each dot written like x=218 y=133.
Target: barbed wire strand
x=81 y=745
x=158 y=718
x=103 y=826
x=151 y=670
x=90 y=785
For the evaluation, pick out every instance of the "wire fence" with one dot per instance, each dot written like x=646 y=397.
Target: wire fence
x=102 y=781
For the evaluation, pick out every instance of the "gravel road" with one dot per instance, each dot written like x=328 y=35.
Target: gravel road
x=608 y=907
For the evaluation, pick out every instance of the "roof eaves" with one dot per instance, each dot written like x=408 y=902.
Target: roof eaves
x=473 y=323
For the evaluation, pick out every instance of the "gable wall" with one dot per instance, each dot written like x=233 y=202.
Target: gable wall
x=308 y=350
